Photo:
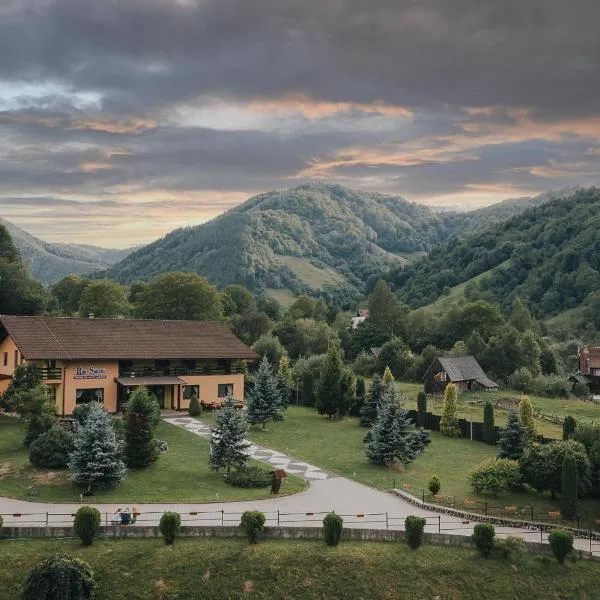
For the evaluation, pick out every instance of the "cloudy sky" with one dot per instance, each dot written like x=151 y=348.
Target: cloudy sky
x=123 y=119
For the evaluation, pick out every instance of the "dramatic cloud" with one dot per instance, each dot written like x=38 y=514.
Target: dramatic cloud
x=143 y=115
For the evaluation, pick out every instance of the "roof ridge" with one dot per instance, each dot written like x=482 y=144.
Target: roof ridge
x=43 y=319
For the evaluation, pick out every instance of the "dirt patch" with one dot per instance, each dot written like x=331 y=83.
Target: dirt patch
x=49 y=478
x=5 y=469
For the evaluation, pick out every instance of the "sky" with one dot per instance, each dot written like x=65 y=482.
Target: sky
x=121 y=120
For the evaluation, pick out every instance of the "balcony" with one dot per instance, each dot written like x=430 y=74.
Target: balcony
x=47 y=373
x=180 y=370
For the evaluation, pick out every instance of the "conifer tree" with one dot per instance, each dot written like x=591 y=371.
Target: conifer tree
x=388 y=377
x=228 y=445
x=359 y=401
x=526 y=418
x=394 y=437
x=335 y=387
x=569 y=426
x=512 y=438
x=421 y=409
x=140 y=446
x=283 y=380
x=569 y=487
x=368 y=414
x=264 y=400
x=96 y=457
x=489 y=431
x=449 y=423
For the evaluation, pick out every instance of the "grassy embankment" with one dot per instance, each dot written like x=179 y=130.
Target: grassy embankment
x=180 y=475
x=143 y=569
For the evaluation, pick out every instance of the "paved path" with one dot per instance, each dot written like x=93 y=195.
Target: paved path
x=272 y=457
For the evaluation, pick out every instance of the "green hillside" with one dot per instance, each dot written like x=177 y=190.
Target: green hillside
x=553 y=254
x=303 y=240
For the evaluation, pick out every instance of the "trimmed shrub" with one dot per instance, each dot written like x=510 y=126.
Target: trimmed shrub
x=561 y=542
x=489 y=431
x=169 y=526
x=568 y=497
x=51 y=449
x=38 y=425
x=86 y=524
x=434 y=485
x=569 y=425
x=59 y=577
x=249 y=477
x=483 y=538
x=1 y=521
x=414 y=527
x=421 y=409
x=449 y=423
x=253 y=523
x=510 y=547
x=194 y=409
x=332 y=529
x=493 y=476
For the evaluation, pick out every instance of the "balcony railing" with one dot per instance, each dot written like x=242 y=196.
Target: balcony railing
x=49 y=373
x=180 y=370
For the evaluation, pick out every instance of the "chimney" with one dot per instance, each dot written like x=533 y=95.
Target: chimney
x=91 y=316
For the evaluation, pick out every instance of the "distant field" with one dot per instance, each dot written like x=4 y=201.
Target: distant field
x=283 y=296
x=308 y=273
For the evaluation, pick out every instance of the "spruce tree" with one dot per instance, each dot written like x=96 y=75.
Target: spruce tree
x=526 y=418
x=368 y=414
x=421 y=409
x=449 y=423
x=489 y=430
x=96 y=457
x=264 y=400
x=140 y=446
x=228 y=445
x=512 y=438
x=394 y=437
x=569 y=484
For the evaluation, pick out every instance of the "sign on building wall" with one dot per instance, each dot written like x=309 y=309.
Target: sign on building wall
x=89 y=373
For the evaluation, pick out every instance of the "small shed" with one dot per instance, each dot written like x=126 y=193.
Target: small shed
x=464 y=371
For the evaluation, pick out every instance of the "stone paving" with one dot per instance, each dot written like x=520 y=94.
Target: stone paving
x=266 y=455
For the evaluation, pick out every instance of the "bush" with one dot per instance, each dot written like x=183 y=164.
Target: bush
x=249 y=477
x=551 y=385
x=435 y=485
x=253 y=522
x=194 y=409
x=483 y=538
x=489 y=431
x=569 y=425
x=332 y=529
x=1 y=522
x=51 y=449
x=569 y=505
x=510 y=547
x=421 y=409
x=365 y=365
x=169 y=526
x=414 y=527
x=521 y=380
x=86 y=525
x=60 y=577
x=493 y=476
x=81 y=412
x=38 y=425
x=561 y=542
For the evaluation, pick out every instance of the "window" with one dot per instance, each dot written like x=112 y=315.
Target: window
x=596 y=372
x=189 y=364
x=191 y=390
x=225 y=389
x=6 y=359
x=91 y=395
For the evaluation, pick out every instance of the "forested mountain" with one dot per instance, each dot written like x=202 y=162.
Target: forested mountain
x=301 y=239
x=549 y=256
x=50 y=262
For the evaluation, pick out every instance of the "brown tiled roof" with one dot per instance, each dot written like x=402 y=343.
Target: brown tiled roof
x=69 y=339
x=589 y=358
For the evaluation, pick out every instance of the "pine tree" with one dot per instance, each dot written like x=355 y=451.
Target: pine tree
x=421 y=409
x=228 y=445
x=512 y=438
x=449 y=423
x=333 y=388
x=569 y=484
x=394 y=437
x=526 y=418
x=140 y=446
x=264 y=400
x=368 y=414
x=96 y=457
x=489 y=430
x=388 y=377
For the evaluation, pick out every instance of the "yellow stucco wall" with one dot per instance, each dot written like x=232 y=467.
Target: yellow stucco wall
x=209 y=385
x=8 y=346
x=89 y=378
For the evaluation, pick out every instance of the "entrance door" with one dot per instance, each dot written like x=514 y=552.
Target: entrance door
x=159 y=392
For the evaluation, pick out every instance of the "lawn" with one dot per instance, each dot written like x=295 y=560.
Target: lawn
x=180 y=475
x=337 y=447
x=217 y=568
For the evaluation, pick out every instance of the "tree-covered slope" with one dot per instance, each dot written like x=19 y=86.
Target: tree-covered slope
x=50 y=262
x=548 y=255
x=350 y=233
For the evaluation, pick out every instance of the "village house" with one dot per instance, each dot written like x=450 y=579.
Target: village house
x=464 y=371
x=84 y=360
x=589 y=369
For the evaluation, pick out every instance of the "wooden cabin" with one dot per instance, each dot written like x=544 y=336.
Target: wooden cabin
x=464 y=371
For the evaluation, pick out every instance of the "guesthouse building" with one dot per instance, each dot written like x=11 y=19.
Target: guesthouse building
x=589 y=369
x=464 y=371
x=84 y=360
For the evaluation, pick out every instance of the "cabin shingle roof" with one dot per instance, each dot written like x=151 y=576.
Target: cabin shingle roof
x=465 y=368
x=63 y=338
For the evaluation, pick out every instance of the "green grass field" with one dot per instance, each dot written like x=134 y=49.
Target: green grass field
x=313 y=276
x=182 y=474
x=143 y=569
